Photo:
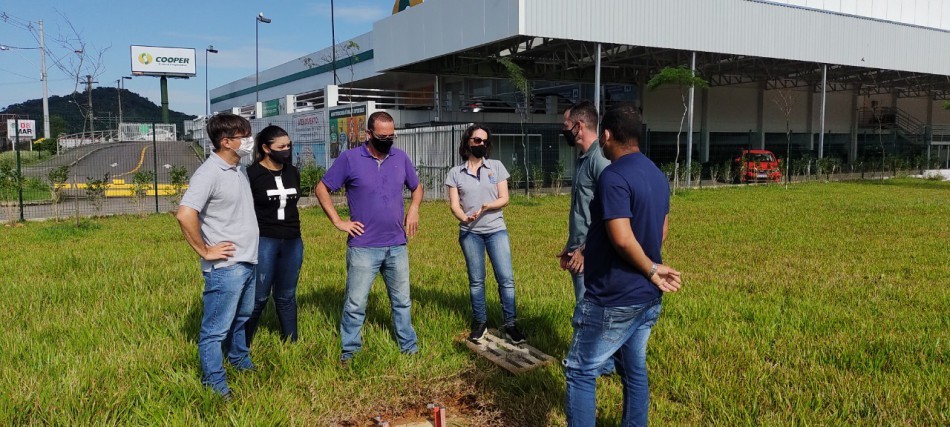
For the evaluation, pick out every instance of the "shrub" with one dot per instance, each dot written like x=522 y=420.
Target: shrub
x=96 y=191
x=557 y=176
x=516 y=178
x=310 y=175
x=537 y=178
x=179 y=178
x=142 y=181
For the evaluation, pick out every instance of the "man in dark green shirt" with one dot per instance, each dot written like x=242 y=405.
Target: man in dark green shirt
x=580 y=130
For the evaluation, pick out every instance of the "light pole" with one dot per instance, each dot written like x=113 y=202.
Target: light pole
x=210 y=49
x=333 y=43
x=257 y=67
x=118 y=127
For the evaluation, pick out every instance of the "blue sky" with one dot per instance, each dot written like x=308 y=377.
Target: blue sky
x=298 y=28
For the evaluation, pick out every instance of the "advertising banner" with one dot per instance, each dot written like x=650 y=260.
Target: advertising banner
x=310 y=127
x=27 y=130
x=163 y=61
x=347 y=128
x=271 y=108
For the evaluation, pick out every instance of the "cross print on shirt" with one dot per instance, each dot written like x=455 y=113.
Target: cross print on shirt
x=282 y=193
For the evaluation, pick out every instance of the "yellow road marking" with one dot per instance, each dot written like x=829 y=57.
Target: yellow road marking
x=138 y=166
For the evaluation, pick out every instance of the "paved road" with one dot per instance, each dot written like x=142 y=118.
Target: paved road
x=121 y=160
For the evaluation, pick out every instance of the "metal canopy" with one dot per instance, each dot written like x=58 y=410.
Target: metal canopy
x=574 y=61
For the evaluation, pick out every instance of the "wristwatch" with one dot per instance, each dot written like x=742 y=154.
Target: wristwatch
x=652 y=271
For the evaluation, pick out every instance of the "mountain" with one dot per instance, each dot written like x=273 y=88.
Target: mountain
x=70 y=118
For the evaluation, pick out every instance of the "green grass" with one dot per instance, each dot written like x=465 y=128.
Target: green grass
x=26 y=157
x=824 y=304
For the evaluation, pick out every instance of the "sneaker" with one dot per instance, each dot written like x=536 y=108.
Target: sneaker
x=478 y=332
x=227 y=397
x=513 y=334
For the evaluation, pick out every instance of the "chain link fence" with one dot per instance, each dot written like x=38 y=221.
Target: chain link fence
x=142 y=167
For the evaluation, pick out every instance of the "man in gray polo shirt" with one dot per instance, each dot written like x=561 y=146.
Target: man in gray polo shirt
x=217 y=219
x=580 y=130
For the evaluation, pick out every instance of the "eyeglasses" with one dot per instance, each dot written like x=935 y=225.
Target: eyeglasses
x=384 y=138
x=478 y=141
x=244 y=139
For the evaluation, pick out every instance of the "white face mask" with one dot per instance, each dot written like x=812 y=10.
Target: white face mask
x=247 y=147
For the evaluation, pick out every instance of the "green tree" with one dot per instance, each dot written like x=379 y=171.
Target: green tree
x=516 y=75
x=682 y=78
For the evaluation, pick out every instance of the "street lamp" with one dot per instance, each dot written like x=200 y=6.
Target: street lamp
x=119 y=125
x=210 y=49
x=257 y=73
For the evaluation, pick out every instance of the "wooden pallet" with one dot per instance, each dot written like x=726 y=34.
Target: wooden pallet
x=514 y=358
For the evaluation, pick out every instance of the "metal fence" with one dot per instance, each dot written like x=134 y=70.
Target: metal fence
x=137 y=167
x=140 y=167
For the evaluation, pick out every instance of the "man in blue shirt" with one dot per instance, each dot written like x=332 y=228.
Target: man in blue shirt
x=374 y=175
x=623 y=274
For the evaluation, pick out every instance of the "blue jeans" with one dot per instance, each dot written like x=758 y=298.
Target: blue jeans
x=578 y=280
x=278 y=267
x=362 y=266
x=579 y=290
x=602 y=333
x=228 y=300
x=498 y=247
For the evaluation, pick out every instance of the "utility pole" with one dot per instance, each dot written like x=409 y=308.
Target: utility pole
x=92 y=122
x=118 y=127
x=46 y=133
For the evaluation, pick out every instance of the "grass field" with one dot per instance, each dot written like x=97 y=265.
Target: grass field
x=824 y=304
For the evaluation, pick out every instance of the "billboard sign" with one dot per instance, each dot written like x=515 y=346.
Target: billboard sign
x=163 y=61
x=310 y=127
x=271 y=108
x=347 y=128
x=27 y=129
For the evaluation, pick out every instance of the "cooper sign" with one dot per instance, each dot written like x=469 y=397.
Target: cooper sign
x=163 y=61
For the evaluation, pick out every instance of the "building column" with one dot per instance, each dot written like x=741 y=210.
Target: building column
x=928 y=132
x=760 y=114
x=853 y=150
x=824 y=101
x=331 y=96
x=704 y=126
x=810 y=116
x=437 y=98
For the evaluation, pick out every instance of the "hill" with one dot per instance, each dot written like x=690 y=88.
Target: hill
x=67 y=117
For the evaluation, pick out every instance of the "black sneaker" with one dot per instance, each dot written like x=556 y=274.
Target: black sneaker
x=513 y=334
x=478 y=332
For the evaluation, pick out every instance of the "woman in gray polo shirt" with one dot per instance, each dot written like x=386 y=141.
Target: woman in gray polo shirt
x=477 y=190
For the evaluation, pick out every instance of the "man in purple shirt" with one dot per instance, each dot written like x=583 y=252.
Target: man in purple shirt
x=374 y=175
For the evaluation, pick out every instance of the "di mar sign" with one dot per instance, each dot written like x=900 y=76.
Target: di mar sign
x=27 y=130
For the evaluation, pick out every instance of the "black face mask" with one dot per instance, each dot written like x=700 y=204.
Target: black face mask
x=381 y=145
x=282 y=157
x=570 y=136
x=479 y=151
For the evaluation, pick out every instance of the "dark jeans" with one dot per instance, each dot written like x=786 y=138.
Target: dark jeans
x=278 y=268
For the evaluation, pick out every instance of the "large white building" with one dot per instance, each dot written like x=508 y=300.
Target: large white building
x=765 y=61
